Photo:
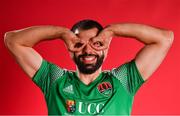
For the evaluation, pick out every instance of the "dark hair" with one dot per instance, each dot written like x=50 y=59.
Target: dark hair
x=86 y=24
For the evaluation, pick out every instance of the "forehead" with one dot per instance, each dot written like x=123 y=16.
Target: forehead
x=87 y=34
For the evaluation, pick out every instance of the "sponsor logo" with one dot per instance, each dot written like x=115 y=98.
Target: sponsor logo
x=70 y=106
x=105 y=88
x=90 y=108
x=69 y=89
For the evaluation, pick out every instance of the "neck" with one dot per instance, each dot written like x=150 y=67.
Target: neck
x=88 y=78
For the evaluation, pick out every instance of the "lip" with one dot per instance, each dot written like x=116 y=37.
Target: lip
x=88 y=59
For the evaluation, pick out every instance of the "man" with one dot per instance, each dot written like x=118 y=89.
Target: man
x=88 y=90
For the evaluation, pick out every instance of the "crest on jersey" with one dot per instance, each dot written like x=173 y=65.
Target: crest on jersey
x=70 y=106
x=105 y=88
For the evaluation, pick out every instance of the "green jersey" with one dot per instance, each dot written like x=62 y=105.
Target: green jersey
x=112 y=92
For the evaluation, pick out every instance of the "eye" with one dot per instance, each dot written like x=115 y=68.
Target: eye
x=78 y=45
x=97 y=44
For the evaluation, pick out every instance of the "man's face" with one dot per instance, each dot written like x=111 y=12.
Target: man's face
x=88 y=60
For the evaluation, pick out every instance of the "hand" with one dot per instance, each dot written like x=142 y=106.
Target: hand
x=103 y=40
x=73 y=43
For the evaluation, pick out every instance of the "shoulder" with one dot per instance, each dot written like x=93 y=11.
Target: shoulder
x=118 y=72
x=50 y=71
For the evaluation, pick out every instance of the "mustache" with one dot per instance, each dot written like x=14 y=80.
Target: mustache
x=83 y=55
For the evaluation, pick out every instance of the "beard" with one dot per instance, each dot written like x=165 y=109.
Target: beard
x=88 y=68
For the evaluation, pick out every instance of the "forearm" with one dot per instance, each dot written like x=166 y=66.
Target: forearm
x=30 y=36
x=157 y=43
x=20 y=43
x=143 y=33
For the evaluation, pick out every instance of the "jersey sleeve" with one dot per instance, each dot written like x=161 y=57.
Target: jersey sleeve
x=129 y=76
x=46 y=75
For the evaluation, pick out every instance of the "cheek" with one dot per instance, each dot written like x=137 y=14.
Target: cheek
x=105 y=52
x=101 y=53
x=73 y=54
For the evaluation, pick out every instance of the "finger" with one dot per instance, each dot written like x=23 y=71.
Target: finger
x=98 y=48
x=101 y=45
x=76 y=47
x=97 y=38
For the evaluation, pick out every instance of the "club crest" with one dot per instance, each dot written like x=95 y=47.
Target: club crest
x=105 y=88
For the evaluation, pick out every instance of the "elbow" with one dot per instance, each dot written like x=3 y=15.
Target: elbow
x=8 y=39
x=168 y=39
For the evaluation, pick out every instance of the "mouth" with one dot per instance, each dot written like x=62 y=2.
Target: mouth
x=89 y=59
x=88 y=63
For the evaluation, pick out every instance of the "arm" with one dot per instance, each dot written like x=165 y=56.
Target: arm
x=157 y=43
x=20 y=43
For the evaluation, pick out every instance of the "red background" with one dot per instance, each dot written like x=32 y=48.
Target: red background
x=160 y=95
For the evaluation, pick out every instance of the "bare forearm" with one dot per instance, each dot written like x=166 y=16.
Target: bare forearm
x=20 y=43
x=143 y=33
x=30 y=36
x=157 y=43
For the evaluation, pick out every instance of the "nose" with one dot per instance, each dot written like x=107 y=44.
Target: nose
x=87 y=49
